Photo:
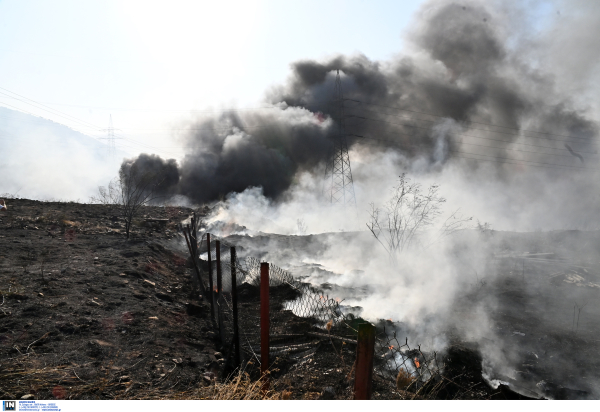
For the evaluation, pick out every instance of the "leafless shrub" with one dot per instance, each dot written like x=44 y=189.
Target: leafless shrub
x=130 y=191
x=301 y=227
x=397 y=224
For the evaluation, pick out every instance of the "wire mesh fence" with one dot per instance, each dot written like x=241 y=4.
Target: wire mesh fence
x=410 y=368
x=296 y=309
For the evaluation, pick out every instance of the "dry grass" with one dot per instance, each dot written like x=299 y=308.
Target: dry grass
x=29 y=376
x=70 y=223
x=241 y=387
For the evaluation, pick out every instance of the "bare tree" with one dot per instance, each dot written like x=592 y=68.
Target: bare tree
x=302 y=227
x=397 y=224
x=131 y=190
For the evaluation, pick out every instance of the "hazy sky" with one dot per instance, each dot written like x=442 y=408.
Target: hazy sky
x=148 y=63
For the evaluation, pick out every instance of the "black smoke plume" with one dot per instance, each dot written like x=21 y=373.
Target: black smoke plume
x=462 y=93
x=161 y=175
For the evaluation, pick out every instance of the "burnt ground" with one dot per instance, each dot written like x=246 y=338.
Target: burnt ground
x=539 y=342
x=528 y=318
x=87 y=314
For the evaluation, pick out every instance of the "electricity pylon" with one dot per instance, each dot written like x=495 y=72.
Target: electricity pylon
x=112 y=150
x=342 y=186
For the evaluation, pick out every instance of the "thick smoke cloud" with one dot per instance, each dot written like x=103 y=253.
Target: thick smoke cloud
x=235 y=151
x=472 y=105
x=162 y=175
x=464 y=92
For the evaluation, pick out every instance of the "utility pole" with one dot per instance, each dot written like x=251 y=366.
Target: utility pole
x=342 y=187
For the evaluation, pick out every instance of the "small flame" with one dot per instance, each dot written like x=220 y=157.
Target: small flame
x=390 y=319
x=337 y=300
x=391 y=347
x=417 y=364
x=320 y=117
x=329 y=325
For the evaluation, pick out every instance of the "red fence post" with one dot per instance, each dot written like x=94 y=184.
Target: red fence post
x=234 y=303
x=264 y=323
x=211 y=293
x=363 y=378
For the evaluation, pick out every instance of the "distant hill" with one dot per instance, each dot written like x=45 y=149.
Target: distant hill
x=41 y=159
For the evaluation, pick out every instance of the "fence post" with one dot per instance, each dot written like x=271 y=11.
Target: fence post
x=211 y=294
x=192 y=241
x=264 y=323
x=219 y=292
x=198 y=282
x=193 y=234
x=234 y=303
x=363 y=378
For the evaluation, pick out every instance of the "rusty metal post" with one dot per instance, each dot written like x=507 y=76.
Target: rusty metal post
x=219 y=292
x=234 y=303
x=211 y=290
x=363 y=378
x=264 y=323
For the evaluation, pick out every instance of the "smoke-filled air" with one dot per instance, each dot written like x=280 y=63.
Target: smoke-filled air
x=470 y=153
x=449 y=192
x=474 y=104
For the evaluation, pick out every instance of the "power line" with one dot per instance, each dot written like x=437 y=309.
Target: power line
x=47 y=108
x=36 y=104
x=482 y=123
x=244 y=109
x=506 y=159
x=72 y=118
x=467 y=135
x=471 y=128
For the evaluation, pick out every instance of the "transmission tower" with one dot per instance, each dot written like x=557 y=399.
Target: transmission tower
x=342 y=187
x=110 y=136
